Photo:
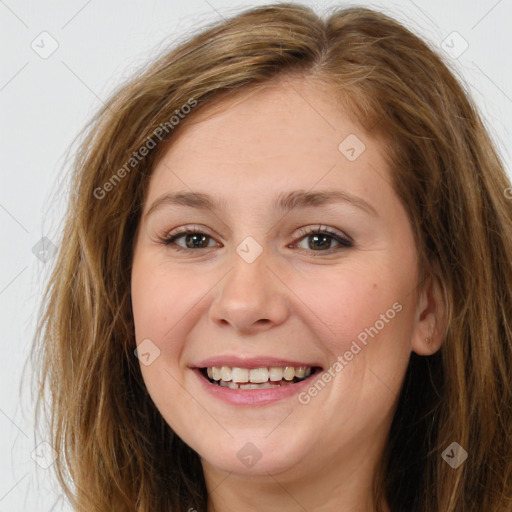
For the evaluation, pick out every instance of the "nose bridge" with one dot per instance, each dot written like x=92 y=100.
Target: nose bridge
x=249 y=295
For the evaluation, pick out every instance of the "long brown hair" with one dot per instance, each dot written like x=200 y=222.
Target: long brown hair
x=115 y=451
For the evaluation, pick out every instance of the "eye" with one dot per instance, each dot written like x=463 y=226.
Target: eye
x=193 y=238
x=320 y=240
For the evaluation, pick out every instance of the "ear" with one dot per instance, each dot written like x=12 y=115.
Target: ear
x=430 y=318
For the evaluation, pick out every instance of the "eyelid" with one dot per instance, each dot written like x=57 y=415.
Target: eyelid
x=194 y=228
x=169 y=236
x=320 y=228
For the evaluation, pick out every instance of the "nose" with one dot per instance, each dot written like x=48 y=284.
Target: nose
x=251 y=297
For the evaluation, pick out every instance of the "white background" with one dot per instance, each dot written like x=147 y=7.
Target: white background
x=46 y=102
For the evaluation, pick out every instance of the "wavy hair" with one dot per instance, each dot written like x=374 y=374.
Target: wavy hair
x=115 y=451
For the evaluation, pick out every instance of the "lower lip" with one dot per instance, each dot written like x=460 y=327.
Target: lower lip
x=253 y=396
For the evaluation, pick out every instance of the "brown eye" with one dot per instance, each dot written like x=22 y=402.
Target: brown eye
x=192 y=239
x=320 y=240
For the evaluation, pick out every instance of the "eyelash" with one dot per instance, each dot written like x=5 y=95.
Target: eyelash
x=344 y=243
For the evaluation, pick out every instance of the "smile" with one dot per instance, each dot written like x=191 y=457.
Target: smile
x=256 y=378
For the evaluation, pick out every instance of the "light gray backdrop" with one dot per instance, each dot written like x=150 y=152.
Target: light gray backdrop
x=60 y=61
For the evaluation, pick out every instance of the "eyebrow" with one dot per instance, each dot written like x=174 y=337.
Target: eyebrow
x=283 y=203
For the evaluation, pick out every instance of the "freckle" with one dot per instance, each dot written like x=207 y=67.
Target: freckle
x=375 y=285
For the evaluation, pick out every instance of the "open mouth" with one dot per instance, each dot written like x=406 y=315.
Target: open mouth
x=257 y=378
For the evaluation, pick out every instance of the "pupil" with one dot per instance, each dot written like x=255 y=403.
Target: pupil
x=325 y=239
x=193 y=238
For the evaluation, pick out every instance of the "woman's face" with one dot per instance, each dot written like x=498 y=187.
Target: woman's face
x=259 y=285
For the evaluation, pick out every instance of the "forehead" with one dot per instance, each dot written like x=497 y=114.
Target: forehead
x=275 y=117
x=290 y=135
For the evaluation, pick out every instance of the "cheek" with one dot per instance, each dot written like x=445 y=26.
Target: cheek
x=148 y=302
x=159 y=301
x=159 y=298
x=351 y=302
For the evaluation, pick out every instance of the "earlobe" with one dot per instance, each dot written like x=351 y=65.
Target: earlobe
x=431 y=319
x=427 y=346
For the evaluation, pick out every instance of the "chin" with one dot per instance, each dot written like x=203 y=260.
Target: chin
x=255 y=456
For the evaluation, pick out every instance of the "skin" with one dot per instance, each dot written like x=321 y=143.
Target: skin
x=294 y=301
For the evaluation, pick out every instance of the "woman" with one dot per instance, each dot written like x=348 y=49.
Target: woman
x=285 y=281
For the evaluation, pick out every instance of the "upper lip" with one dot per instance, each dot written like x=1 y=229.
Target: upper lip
x=251 y=362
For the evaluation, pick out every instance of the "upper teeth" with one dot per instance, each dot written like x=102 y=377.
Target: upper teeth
x=257 y=375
